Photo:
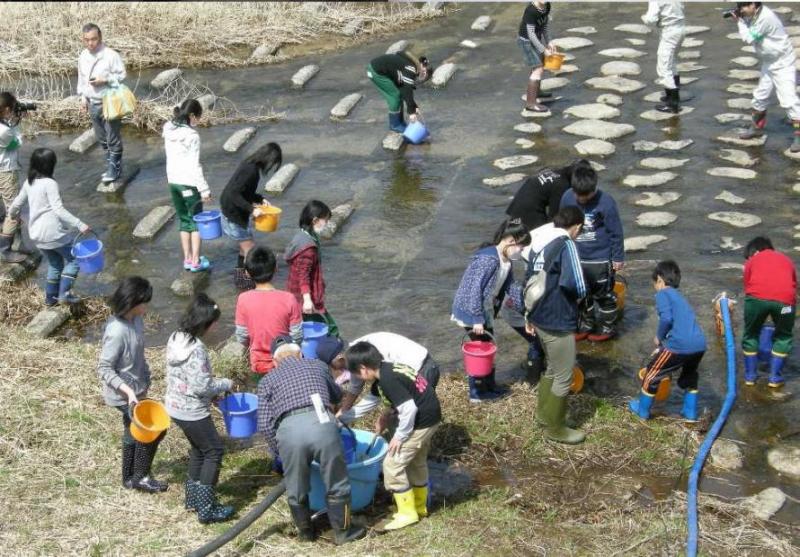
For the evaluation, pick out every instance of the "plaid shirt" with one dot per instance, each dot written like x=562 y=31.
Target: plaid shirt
x=289 y=387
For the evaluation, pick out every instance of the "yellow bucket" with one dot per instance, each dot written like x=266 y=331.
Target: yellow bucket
x=553 y=61
x=662 y=393
x=577 y=379
x=269 y=218
x=620 y=288
x=149 y=419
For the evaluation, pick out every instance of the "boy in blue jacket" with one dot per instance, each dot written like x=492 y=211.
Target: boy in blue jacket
x=680 y=344
x=602 y=252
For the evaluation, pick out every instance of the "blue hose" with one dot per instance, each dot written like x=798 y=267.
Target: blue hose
x=730 y=398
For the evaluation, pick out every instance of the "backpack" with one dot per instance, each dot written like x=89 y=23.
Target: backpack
x=537 y=279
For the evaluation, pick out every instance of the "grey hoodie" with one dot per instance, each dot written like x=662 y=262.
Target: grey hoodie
x=190 y=385
x=122 y=360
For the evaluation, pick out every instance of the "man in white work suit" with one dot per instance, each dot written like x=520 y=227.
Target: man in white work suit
x=668 y=15
x=760 y=27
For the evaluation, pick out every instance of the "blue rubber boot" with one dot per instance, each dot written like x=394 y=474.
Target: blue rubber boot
x=478 y=392
x=396 y=123
x=750 y=369
x=776 y=371
x=65 y=295
x=642 y=406
x=51 y=293
x=689 y=411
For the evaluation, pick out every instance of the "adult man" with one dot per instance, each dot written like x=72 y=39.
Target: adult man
x=295 y=415
x=668 y=15
x=99 y=68
x=760 y=27
x=10 y=142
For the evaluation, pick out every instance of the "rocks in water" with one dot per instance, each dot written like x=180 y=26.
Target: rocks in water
x=282 y=178
x=525 y=143
x=741 y=89
x=466 y=43
x=620 y=67
x=636 y=42
x=765 y=504
x=528 y=127
x=597 y=166
x=691 y=42
x=648 y=180
x=635 y=28
x=731 y=198
x=740 y=104
x=504 y=180
x=481 y=23
x=622 y=52
x=727 y=243
x=154 y=221
x=264 y=52
x=726 y=455
x=736 y=219
x=691 y=66
x=749 y=49
x=589 y=147
x=553 y=83
x=732 y=172
x=734 y=139
x=83 y=142
x=165 y=78
x=239 y=138
x=615 y=83
x=339 y=215
x=785 y=460
x=655 y=219
x=345 y=105
x=744 y=75
x=207 y=101
x=531 y=114
x=658 y=116
x=393 y=141
x=641 y=243
x=304 y=74
x=793 y=156
x=689 y=54
x=566 y=68
x=398 y=46
x=507 y=163
x=746 y=61
x=129 y=172
x=571 y=43
x=599 y=129
x=694 y=29
x=610 y=99
x=588 y=30
x=188 y=284
x=662 y=163
x=653 y=199
x=47 y=321
x=597 y=111
x=742 y=158
x=667 y=145
x=729 y=117
x=443 y=74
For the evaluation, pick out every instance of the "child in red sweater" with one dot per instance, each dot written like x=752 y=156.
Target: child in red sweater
x=770 y=284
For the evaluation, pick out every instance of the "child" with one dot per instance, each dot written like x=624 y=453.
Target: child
x=239 y=201
x=125 y=376
x=396 y=77
x=190 y=388
x=10 y=142
x=51 y=226
x=668 y=16
x=405 y=468
x=770 y=285
x=680 y=344
x=305 y=278
x=485 y=283
x=187 y=185
x=534 y=40
x=265 y=313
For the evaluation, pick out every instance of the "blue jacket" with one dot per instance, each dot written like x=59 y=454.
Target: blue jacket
x=557 y=309
x=477 y=287
x=602 y=238
x=678 y=329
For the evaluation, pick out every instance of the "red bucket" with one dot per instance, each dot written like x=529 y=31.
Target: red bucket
x=478 y=356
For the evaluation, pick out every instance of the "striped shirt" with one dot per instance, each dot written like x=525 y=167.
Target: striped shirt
x=534 y=26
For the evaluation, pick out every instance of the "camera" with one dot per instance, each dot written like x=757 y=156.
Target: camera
x=21 y=107
x=732 y=12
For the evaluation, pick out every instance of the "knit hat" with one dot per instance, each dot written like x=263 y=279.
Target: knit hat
x=328 y=348
x=282 y=341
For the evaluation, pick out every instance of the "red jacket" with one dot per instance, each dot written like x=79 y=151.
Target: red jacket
x=770 y=275
x=305 y=270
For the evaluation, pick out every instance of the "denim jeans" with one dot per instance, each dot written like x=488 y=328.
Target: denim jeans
x=107 y=132
x=60 y=261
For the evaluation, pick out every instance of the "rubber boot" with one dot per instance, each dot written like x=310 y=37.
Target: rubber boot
x=339 y=517
x=51 y=293
x=750 y=369
x=689 y=411
x=542 y=398
x=128 y=454
x=478 y=392
x=672 y=103
x=190 y=494
x=114 y=167
x=795 y=147
x=142 y=480
x=6 y=254
x=301 y=516
x=406 y=514
x=756 y=128
x=493 y=387
x=421 y=500
x=396 y=122
x=533 y=370
x=557 y=430
x=65 y=295
x=208 y=509
x=531 y=102
x=106 y=156
x=641 y=407
x=776 y=371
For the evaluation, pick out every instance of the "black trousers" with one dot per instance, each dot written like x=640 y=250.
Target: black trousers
x=664 y=363
x=127 y=438
x=205 y=456
x=599 y=308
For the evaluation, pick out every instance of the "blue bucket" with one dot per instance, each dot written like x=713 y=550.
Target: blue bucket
x=765 y=342
x=239 y=411
x=349 y=445
x=89 y=255
x=363 y=473
x=416 y=132
x=312 y=332
x=209 y=224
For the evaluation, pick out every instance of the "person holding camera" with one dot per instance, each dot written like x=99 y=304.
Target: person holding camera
x=10 y=142
x=760 y=27
x=99 y=68
x=668 y=15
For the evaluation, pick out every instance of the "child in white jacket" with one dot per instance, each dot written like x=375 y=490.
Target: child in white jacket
x=668 y=16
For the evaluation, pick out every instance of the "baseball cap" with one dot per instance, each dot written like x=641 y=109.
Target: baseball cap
x=328 y=348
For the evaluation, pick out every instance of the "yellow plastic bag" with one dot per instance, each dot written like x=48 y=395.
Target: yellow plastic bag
x=118 y=102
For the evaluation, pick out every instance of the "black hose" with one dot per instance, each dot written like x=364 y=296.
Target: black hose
x=243 y=523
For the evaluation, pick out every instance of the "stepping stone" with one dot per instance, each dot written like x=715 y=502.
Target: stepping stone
x=623 y=52
x=785 y=460
x=655 y=219
x=793 y=156
x=466 y=43
x=662 y=163
x=129 y=172
x=528 y=127
x=783 y=10
x=282 y=178
x=339 y=215
x=531 y=114
x=398 y=46
x=749 y=49
x=507 y=163
x=691 y=42
x=553 y=83
x=636 y=42
x=727 y=244
x=481 y=23
x=504 y=180
x=741 y=88
x=765 y=504
x=689 y=54
x=597 y=166
x=442 y=74
x=689 y=67
x=188 y=284
x=588 y=30
x=668 y=145
x=685 y=80
x=728 y=197
x=598 y=147
x=726 y=455
x=393 y=141
x=304 y=74
x=598 y=111
x=746 y=61
x=694 y=29
x=599 y=129
x=353 y=27
x=641 y=243
x=83 y=142
x=344 y=106
x=734 y=139
x=732 y=172
x=153 y=222
x=615 y=83
x=796 y=188
x=525 y=143
x=740 y=104
x=264 y=52
x=610 y=98
x=744 y=75
x=742 y=158
x=648 y=180
x=47 y=321
x=571 y=43
x=658 y=116
x=731 y=267
x=165 y=78
x=620 y=67
x=729 y=117
x=635 y=28
x=652 y=199
x=548 y=100
x=733 y=36
x=566 y=68
x=238 y=139
x=736 y=219
x=207 y=101
x=792 y=29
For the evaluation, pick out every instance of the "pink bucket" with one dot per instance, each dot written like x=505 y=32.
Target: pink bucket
x=478 y=356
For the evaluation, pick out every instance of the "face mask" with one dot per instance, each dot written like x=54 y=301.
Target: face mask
x=515 y=256
x=320 y=226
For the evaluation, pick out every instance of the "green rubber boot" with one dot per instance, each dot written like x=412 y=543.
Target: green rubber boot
x=542 y=398
x=557 y=430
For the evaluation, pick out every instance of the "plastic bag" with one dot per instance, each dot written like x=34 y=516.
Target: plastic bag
x=118 y=102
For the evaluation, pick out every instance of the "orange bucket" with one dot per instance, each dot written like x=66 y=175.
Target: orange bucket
x=269 y=218
x=553 y=61
x=662 y=393
x=577 y=380
x=149 y=419
x=620 y=288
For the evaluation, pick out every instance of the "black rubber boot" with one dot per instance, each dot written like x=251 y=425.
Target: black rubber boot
x=190 y=491
x=339 y=517
x=142 y=480
x=672 y=104
x=6 y=254
x=128 y=454
x=208 y=509
x=301 y=515
x=663 y=98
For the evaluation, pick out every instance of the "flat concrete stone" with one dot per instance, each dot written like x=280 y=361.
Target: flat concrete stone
x=730 y=198
x=481 y=23
x=47 y=321
x=528 y=127
x=83 y=142
x=232 y=349
x=749 y=49
x=729 y=117
x=783 y=10
x=765 y=504
x=689 y=55
x=597 y=111
x=731 y=267
x=554 y=83
x=732 y=172
x=599 y=129
x=153 y=222
x=666 y=145
x=741 y=89
x=304 y=74
x=694 y=29
x=165 y=78
x=571 y=43
x=641 y=243
x=655 y=219
x=736 y=219
x=588 y=30
x=622 y=52
x=746 y=61
x=393 y=141
x=339 y=215
x=398 y=46
x=734 y=139
x=635 y=28
x=443 y=74
x=726 y=455
x=532 y=114
x=691 y=42
x=238 y=139
x=282 y=178
x=744 y=75
x=636 y=42
x=793 y=156
x=615 y=83
x=188 y=284
x=597 y=166
x=466 y=43
x=598 y=147
x=792 y=30
x=129 y=173
x=648 y=180
x=742 y=158
x=726 y=243
x=507 y=163
x=565 y=69
x=653 y=199
x=353 y=27
x=620 y=67
x=733 y=36
x=662 y=163
x=264 y=52
x=658 y=116
x=610 y=99
x=523 y=143
x=785 y=460
x=345 y=105
x=739 y=104
x=504 y=180
x=207 y=101
x=690 y=66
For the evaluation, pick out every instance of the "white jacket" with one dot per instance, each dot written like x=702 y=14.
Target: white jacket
x=765 y=31
x=664 y=13
x=182 y=145
x=10 y=142
x=105 y=64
